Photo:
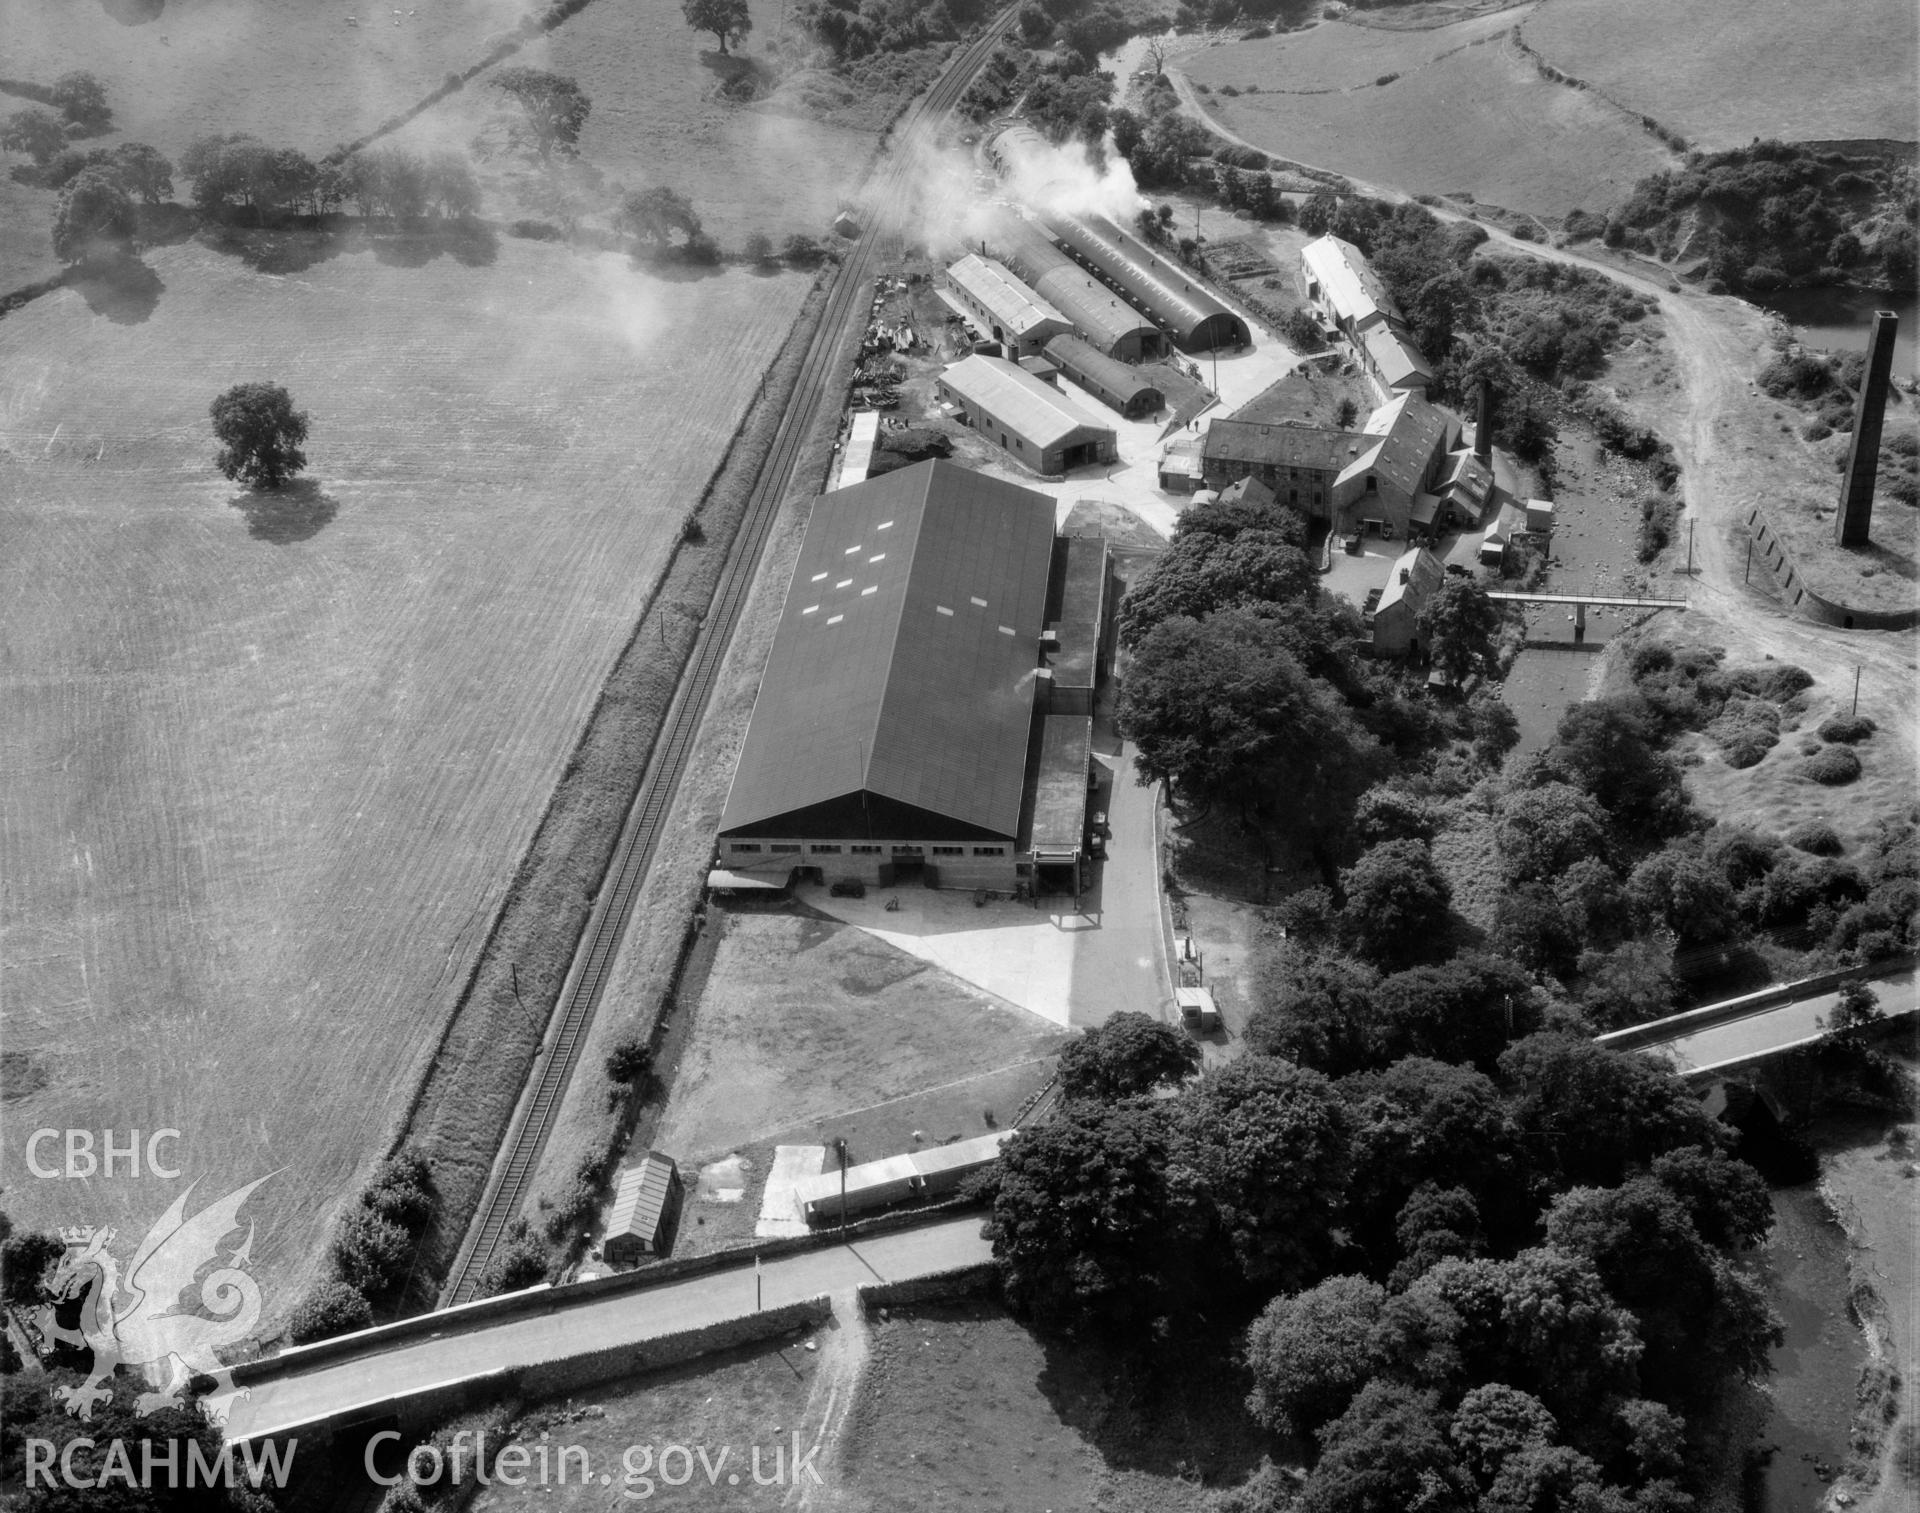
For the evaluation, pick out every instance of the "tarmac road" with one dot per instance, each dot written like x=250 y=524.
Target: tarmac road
x=1742 y=1040
x=336 y=1388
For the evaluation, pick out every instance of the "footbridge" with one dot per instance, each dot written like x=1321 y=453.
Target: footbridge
x=1583 y=602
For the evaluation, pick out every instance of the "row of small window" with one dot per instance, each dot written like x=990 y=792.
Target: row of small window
x=752 y=848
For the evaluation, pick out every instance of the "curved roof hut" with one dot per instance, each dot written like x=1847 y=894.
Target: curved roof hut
x=1101 y=316
x=1196 y=319
x=1112 y=382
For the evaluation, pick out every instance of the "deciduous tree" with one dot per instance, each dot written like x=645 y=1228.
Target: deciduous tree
x=331 y=1308
x=34 y=133
x=654 y=216
x=1268 y=1142
x=728 y=20
x=1397 y=904
x=1459 y=625
x=1310 y=1353
x=1083 y=1222
x=1541 y=832
x=82 y=99
x=95 y=219
x=1129 y=1055
x=141 y=170
x=553 y=110
x=260 y=434
x=1388 y=1453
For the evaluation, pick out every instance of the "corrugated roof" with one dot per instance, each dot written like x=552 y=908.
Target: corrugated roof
x=1099 y=314
x=1156 y=285
x=1286 y=446
x=1011 y=302
x=1014 y=397
x=641 y=1198
x=905 y=658
x=1082 y=580
x=1082 y=360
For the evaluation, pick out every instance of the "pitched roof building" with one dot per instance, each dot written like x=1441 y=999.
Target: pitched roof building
x=1004 y=308
x=1335 y=276
x=899 y=726
x=1196 y=319
x=1032 y=421
x=1097 y=313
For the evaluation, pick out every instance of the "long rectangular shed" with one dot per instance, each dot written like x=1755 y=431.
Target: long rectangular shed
x=1033 y=423
x=1101 y=316
x=934 y=1173
x=1197 y=320
x=643 y=1208
x=1112 y=382
x=1006 y=309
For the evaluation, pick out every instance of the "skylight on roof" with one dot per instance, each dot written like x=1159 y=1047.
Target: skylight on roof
x=844 y=582
x=1006 y=630
x=850 y=551
x=884 y=525
x=818 y=576
x=871 y=588
x=809 y=609
x=941 y=609
x=981 y=602
x=835 y=619
x=876 y=557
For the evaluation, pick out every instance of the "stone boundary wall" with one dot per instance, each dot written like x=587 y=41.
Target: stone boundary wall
x=961 y=1282
x=539 y=1300
x=1803 y=600
x=549 y=1378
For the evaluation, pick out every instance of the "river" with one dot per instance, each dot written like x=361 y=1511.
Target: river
x=1838 y=319
x=1818 y=1367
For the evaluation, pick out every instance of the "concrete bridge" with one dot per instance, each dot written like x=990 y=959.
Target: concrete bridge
x=1582 y=602
x=1741 y=1032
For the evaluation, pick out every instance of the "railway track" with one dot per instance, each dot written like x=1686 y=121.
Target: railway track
x=820 y=382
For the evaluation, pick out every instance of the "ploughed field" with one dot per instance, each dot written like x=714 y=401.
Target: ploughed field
x=1722 y=72
x=271 y=762
x=1464 y=111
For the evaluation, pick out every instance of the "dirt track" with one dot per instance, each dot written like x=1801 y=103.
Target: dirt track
x=1716 y=341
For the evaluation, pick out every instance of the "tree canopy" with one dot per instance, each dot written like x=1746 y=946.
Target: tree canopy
x=1460 y=625
x=1397 y=904
x=728 y=20
x=553 y=110
x=1129 y=1055
x=260 y=434
x=95 y=219
x=1311 y=1352
x=655 y=215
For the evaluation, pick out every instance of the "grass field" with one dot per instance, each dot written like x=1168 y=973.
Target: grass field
x=805 y=1018
x=1466 y=114
x=1722 y=72
x=271 y=763
x=292 y=72
x=962 y=1407
x=658 y=118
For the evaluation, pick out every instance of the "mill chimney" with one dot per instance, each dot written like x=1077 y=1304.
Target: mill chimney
x=1851 y=525
x=1483 y=423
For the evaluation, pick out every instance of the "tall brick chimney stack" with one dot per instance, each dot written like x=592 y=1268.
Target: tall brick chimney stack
x=1850 y=526
x=1483 y=422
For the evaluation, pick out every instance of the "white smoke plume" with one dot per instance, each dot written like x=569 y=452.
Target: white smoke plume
x=1066 y=179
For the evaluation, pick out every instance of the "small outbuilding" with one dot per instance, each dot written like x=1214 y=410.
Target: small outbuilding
x=1032 y=423
x=644 y=1207
x=1003 y=307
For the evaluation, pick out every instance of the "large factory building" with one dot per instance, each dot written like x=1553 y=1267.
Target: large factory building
x=906 y=728
x=1031 y=421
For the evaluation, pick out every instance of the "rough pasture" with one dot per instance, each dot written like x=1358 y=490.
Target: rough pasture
x=658 y=118
x=291 y=72
x=1467 y=113
x=1722 y=72
x=272 y=763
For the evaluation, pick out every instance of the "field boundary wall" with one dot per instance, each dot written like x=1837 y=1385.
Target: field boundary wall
x=1802 y=599
x=1660 y=1030
x=550 y=1299
x=1553 y=75
x=961 y=1282
x=552 y=1377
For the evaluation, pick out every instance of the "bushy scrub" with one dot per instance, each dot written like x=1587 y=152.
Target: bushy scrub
x=1846 y=729
x=1745 y=731
x=1816 y=838
x=1833 y=766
